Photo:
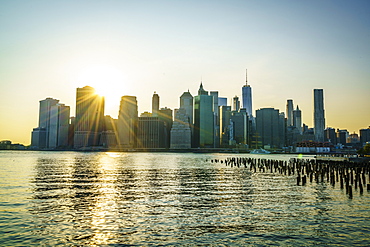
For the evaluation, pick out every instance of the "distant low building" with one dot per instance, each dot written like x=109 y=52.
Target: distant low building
x=313 y=147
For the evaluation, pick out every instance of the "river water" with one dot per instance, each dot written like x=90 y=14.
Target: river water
x=141 y=199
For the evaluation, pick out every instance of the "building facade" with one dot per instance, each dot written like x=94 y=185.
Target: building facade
x=319 y=114
x=203 y=119
x=89 y=118
x=59 y=126
x=181 y=131
x=268 y=127
x=127 y=122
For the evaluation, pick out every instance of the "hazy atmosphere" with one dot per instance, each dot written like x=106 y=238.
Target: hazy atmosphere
x=49 y=48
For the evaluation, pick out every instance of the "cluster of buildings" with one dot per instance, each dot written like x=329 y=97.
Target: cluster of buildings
x=205 y=120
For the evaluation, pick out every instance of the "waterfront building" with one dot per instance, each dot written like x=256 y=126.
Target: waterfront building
x=216 y=120
x=151 y=133
x=40 y=137
x=342 y=136
x=247 y=97
x=268 y=127
x=225 y=114
x=240 y=122
x=181 y=131
x=319 y=114
x=109 y=137
x=127 y=122
x=165 y=115
x=289 y=112
x=297 y=119
x=186 y=103
x=236 y=103
x=155 y=104
x=282 y=129
x=330 y=135
x=89 y=118
x=364 y=136
x=59 y=126
x=203 y=119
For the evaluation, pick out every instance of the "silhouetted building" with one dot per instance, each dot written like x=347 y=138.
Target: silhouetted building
x=165 y=115
x=127 y=122
x=89 y=119
x=109 y=137
x=364 y=136
x=297 y=119
x=203 y=119
x=319 y=114
x=59 y=126
x=289 y=112
x=268 y=127
x=225 y=114
x=342 y=136
x=151 y=133
x=330 y=135
x=240 y=123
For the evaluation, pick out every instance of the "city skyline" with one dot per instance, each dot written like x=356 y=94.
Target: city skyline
x=136 y=48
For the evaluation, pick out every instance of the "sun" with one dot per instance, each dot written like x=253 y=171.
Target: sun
x=107 y=80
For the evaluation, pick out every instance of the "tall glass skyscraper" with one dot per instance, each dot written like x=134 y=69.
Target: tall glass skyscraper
x=247 y=97
x=89 y=119
x=319 y=114
x=289 y=112
x=127 y=122
x=203 y=119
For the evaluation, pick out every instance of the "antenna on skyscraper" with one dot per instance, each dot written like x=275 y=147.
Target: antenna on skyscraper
x=246 y=77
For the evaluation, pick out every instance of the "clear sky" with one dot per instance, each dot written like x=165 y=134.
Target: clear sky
x=49 y=48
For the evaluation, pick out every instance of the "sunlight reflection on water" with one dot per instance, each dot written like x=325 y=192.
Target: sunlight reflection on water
x=52 y=198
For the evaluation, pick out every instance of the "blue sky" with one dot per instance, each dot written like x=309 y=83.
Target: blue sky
x=48 y=48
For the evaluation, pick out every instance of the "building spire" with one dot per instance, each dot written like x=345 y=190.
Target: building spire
x=246 y=77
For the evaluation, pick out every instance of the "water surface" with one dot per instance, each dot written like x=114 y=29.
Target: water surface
x=75 y=198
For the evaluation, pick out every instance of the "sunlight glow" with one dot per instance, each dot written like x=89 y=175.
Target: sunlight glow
x=106 y=79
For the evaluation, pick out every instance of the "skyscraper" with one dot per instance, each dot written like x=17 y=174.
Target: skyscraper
x=269 y=127
x=186 y=102
x=319 y=114
x=44 y=115
x=247 y=96
x=127 y=122
x=155 y=104
x=289 y=112
x=181 y=132
x=203 y=119
x=236 y=103
x=216 y=120
x=151 y=133
x=225 y=114
x=59 y=125
x=89 y=119
x=297 y=119
x=40 y=135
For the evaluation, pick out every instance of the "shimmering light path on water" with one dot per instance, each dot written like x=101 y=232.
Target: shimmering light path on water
x=72 y=198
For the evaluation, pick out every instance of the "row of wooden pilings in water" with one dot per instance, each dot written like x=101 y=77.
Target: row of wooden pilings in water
x=346 y=173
